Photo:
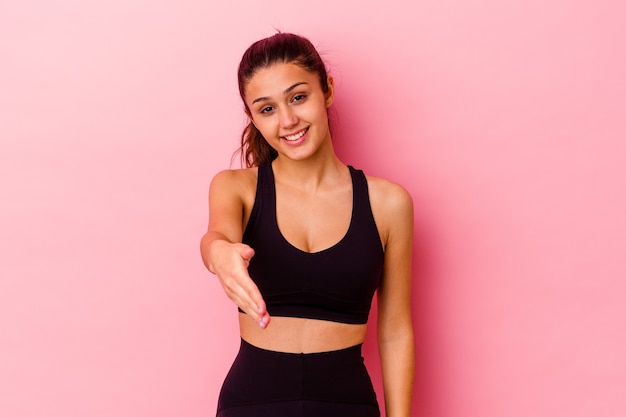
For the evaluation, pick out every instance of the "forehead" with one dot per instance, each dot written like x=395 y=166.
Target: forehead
x=272 y=81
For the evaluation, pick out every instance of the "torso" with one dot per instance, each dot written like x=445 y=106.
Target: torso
x=298 y=335
x=310 y=222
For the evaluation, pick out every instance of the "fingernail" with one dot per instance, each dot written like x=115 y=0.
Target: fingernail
x=262 y=323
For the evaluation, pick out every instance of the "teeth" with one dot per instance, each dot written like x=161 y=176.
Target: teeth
x=296 y=136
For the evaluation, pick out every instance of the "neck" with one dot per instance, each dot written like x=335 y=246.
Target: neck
x=310 y=173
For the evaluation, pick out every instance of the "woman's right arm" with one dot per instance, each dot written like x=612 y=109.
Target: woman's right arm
x=221 y=248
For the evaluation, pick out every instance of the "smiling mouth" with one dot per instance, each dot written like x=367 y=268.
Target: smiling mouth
x=296 y=136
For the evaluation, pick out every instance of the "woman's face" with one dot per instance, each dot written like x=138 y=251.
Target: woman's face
x=289 y=108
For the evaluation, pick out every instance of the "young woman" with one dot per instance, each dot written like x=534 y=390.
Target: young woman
x=300 y=243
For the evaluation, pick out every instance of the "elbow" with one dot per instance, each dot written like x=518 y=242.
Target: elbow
x=396 y=332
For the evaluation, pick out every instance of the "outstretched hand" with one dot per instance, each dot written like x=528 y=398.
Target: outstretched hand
x=230 y=262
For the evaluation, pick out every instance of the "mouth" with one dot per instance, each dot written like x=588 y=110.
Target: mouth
x=296 y=136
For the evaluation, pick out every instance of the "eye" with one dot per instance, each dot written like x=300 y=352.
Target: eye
x=298 y=97
x=266 y=109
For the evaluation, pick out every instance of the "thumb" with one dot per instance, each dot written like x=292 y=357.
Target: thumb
x=246 y=252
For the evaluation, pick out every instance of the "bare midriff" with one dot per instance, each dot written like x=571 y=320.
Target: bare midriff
x=298 y=335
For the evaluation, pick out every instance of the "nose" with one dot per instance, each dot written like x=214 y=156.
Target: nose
x=288 y=118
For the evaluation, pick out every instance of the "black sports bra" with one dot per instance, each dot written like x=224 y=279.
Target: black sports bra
x=335 y=284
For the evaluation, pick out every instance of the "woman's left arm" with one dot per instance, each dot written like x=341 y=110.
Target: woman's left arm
x=393 y=206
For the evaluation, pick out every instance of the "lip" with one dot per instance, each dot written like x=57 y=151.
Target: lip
x=297 y=141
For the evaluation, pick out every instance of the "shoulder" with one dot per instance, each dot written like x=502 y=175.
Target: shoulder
x=392 y=207
x=231 y=177
x=387 y=196
x=234 y=183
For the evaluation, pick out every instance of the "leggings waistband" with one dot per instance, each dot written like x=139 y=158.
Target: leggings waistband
x=260 y=376
x=348 y=351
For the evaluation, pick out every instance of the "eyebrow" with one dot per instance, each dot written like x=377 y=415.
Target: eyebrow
x=287 y=91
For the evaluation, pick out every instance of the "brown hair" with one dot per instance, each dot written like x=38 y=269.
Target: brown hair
x=278 y=48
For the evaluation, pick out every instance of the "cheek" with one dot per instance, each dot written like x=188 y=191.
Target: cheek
x=264 y=127
x=322 y=109
x=321 y=115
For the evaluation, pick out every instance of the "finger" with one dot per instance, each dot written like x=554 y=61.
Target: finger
x=264 y=316
x=264 y=320
x=240 y=290
x=255 y=305
x=247 y=307
x=248 y=297
x=261 y=314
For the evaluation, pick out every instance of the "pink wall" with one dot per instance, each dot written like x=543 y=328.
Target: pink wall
x=505 y=120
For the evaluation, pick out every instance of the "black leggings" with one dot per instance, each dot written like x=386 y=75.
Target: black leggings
x=265 y=383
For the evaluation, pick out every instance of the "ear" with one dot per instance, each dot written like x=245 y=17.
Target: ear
x=330 y=94
x=247 y=111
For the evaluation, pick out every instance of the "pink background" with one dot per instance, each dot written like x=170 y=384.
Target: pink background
x=505 y=120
